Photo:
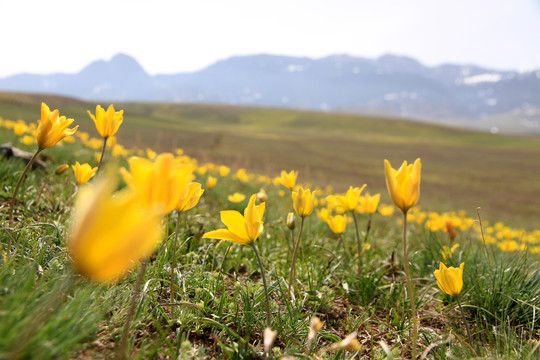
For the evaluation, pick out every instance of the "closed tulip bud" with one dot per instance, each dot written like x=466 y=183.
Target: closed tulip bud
x=303 y=201
x=269 y=336
x=261 y=196
x=350 y=343
x=61 y=169
x=291 y=221
x=403 y=184
x=450 y=280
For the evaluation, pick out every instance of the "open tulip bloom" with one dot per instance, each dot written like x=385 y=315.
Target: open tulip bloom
x=107 y=124
x=244 y=230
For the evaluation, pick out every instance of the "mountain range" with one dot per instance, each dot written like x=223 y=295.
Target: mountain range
x=391 y=85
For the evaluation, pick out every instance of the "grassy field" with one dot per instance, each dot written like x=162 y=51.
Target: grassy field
x=463 y=169
x=49 y=310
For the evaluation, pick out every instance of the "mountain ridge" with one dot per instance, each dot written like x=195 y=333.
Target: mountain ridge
x=390 y=84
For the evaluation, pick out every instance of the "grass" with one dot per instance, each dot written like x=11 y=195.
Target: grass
x=222 y=309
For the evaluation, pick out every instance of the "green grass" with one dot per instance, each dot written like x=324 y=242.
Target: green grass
x=44 y=314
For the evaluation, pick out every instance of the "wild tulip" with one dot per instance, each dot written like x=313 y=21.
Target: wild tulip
x=349 y=201
x=404 y=189
x=337 y=223
x=288 y=179
x=83 y=172
x=244 y=230
x=107 y=122
x=211 y=182
x=370 y=203
x=51 y=129
x=160 y=183
x=236 y=197
x=403 y=184
x=303 y=201
x=110 y=234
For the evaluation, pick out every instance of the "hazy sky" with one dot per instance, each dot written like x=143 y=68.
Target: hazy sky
x=168 y=36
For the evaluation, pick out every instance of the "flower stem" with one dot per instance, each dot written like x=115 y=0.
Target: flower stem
x=12 y=205
x=264 y=283
x=292 y=275
x=464 y=319
x=410 y=287
x=102 y=154
x=173 y=265
x=359 y=244
x=131 y=311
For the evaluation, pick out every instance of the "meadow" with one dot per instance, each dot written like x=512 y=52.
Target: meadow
x=215 y=306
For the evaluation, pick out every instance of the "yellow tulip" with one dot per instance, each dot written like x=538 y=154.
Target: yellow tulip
x=52 y=128
x=337 y=223
x=349 y=201
x=369 y=203
x=323 y=214
x=83 y=172
x=261 y=196
x=110 y=234
x=404 y=184
x=107 y=123
x=20 y=128
x=190 y=197
x=241 y=229
x=224 y=170
x=288 y=179
x=210 y=182
x=61 y=169
x=27 y=140
x=242 y=175
x=159 y=183
x=236 y=197
x=449 y=280
x=303 y=201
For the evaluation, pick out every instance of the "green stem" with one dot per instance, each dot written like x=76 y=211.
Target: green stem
x=359 y=245
x=131 y=311
x=410 y=287
x=464 y=319
x=292 y=275
x=173 y=265
x=102 y=154
x=12 y=205
x=264 y=283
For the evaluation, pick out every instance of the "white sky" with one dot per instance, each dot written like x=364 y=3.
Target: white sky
x=168 y=36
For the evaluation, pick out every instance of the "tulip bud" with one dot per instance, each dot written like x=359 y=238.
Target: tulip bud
x=269 y=338
x=291 y=221
x=60 y=170
x=261 y=196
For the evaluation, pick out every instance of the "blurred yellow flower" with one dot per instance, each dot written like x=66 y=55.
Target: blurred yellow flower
x=404 y=184
x=190 y=197
x=449 y=280
x=150 y=154
x=241 y=229
x=159 y=183
x=288 y=179
x=323 y=214
x=52 y=128
x=236 y=197
x=349 y=201
x=224 y=170
x=337 y=223
x=303 y=201
x=83 y=172
x=211 y=182
x=107 y=123
x=110 y=234
x=20 y=128
x=242 y=175
x=61 y=169
x=261 y=196
x=27 y=140
x=370 y=203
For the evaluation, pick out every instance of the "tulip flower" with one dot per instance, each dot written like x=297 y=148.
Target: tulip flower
x=288 y=179
x=450 y=281
x=211 y=182
x=404 y=188
x=236 y=197
x=110 y=234
x=369 y=203
x=160 y=183
x=107 y=124
x=303 y=201
x=349 y=201
x=244 y=230
x=337 y=223
x=403 y=184
x=51 y=129
x=224 y=170
x=61 y=169
x=83 y=172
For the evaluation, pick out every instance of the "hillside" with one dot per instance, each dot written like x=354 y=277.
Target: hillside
x=465 y=95
x=463 y=169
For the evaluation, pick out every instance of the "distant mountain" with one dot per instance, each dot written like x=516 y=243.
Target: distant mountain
x=394 y=85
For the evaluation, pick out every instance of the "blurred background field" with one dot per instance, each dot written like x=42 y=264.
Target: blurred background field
x=462 y=169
